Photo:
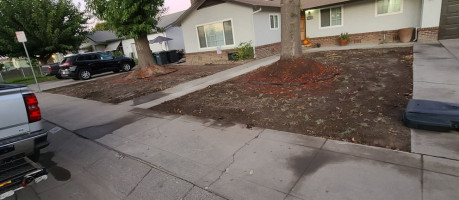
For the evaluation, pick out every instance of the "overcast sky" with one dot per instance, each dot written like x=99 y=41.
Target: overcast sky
x=174 y=5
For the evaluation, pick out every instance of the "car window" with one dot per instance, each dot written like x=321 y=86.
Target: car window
x=94 y=57
x=82 y=58
x=105 y=56
x=67 y=59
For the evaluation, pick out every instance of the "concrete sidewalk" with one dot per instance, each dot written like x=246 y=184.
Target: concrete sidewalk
x=436 y=77
x=234 y=162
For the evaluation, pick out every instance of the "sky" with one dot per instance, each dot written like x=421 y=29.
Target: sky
x=174 y=5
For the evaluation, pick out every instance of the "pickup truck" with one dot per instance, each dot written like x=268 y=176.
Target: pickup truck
x=21 y=138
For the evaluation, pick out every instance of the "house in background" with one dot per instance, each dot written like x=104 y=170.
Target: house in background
x=209 y=25
x=371 y=21
x=101 y=41
x=170 y=31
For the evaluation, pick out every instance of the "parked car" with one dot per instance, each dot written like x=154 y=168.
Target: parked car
x=51 y=70
x=84 y=66
x=21 y=138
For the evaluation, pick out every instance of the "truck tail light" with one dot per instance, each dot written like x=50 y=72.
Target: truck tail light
x=33 y=111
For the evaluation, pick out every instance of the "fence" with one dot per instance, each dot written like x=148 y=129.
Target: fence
x=18 y=73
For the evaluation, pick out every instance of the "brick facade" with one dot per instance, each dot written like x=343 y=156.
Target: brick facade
x=209 y=57
x=360 y=38
x=428 y=34
x=424 y=35
x=267 y=50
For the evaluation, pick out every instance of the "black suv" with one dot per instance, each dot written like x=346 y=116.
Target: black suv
x=83 y=66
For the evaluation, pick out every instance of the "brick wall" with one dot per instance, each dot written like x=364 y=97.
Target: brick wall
x=268 y=50
x=360 y=38
x=428 y=34
x=424 y=35
x=209 y=57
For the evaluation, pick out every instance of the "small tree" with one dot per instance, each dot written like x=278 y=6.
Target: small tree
x=50 y=26
x=135 y=19
x=290 y=29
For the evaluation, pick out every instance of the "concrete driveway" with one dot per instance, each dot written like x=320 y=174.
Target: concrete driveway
x=436 y=77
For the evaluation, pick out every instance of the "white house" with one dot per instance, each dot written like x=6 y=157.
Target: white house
x=101 y=41
x=173 y=32
x=209 y=25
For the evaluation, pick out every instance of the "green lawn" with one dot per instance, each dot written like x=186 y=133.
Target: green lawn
x=29 y=80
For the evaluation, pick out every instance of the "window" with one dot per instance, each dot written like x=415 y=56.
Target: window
x=106 y=56
x=274 y=21
x=216 y=34
x=330 y=17
x=388 y=6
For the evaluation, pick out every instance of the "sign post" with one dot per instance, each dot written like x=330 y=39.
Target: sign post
x=20 y=35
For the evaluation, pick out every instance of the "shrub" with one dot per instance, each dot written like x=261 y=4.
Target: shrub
x=244 y=51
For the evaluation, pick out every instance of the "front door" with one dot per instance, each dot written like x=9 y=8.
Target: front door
x=449 y=20
x=303 y=25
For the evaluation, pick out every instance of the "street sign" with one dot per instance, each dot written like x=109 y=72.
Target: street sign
x=20 y=35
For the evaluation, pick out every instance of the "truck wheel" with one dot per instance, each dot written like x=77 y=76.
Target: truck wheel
x=84 y=74
x=125 y=67
x=35 y=156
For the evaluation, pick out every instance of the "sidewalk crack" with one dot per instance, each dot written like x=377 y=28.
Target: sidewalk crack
x=233 y=159
x=146 y=174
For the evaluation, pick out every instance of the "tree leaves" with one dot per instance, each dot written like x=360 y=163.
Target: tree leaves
x=50 y=26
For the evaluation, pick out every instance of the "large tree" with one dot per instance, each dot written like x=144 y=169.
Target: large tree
x=101 y=26
x=133 y=19
x=50 y=26
x=290 y=29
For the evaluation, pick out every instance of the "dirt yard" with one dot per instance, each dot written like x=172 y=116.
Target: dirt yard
x=116 y=89
x=364 y=104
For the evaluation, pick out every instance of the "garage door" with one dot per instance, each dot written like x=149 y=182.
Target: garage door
x=449 y=20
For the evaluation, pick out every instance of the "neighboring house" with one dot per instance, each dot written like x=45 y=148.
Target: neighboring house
x=20 y=63
x=209 y=25
x=173 y=32
x=371 y=21
x=101 y=41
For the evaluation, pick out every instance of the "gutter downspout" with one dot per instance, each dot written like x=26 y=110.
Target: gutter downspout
x=254 y=37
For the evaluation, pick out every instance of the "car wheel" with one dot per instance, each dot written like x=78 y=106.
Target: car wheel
x=59 y=76
x=126 y=67
x=84 y=74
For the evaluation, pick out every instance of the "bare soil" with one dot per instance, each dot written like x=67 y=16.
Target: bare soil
x=118 y=88
x=363 y=104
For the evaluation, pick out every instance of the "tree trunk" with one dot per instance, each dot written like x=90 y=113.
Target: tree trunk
x=290 y=30
x=146 y=66
x=144 y=52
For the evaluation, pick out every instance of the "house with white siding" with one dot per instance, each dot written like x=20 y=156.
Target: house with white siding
x=170 y=31
x=209 y=26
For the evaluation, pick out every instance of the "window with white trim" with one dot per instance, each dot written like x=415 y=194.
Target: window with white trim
x=216 y=34
x=388 y=6
x=274 y=21
x=330 y=17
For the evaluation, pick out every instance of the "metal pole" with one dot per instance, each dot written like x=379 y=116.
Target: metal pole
x=30 y=63
x=1 y=77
